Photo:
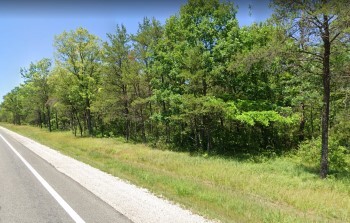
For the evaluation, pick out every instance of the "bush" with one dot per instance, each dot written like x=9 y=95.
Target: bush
x=310 y=154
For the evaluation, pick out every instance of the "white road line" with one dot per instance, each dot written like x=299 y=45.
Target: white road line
x=54 y=194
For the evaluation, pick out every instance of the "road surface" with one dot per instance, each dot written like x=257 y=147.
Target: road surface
x=32 y=190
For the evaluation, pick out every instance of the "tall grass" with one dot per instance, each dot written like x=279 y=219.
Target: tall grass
x=278 y=190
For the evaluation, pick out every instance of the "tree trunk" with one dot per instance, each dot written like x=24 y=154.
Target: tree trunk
x=196 y=136
x=49 y=118
x=150 y=110
x=40 y=119
x=167 y=129
x=207 y=132
x=143 y=127
x=302 y=123
x=326 y=97
x=56 y=118
x=88 y=117
x=79 y=123
x=312 y=121
x=126 y=113
x=72 y=123
x=44 y=118
x=209 y=140
x=127 y=123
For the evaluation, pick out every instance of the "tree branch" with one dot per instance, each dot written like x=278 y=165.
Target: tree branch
x=310 y=53
x=336 y=35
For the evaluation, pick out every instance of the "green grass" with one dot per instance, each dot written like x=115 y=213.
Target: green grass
x=278 y=190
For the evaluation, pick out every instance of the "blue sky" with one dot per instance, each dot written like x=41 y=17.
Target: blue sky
x=27 y=28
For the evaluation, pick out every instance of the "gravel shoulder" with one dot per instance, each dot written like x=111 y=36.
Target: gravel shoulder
x=136 y=203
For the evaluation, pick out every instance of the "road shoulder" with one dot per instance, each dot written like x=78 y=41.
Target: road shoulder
x=138 y=204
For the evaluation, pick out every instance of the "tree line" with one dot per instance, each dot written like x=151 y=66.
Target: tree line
x=200 y=82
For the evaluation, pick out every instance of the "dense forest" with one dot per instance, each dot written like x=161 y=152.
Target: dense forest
x=203 y=83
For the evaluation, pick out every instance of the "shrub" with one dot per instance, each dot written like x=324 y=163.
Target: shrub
x=310 y=155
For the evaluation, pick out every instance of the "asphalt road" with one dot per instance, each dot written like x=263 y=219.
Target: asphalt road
x=31 y=190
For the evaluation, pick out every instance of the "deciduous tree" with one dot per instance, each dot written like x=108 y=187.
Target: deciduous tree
x=78 y=54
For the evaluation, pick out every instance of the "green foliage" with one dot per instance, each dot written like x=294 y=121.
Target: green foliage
x=78 y=60
x=339 y=156
x=13 y=105
x=262 y=117
x=39 y=101
x=199 y=83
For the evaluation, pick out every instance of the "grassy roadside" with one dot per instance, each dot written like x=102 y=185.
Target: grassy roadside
x=231 y=191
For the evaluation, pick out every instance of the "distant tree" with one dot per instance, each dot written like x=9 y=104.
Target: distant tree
x=13 y=103
x=144 y=44
x=36 y=77
x=116 y=82
x=79 y=57
x=186 y=70
x=69 y=101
